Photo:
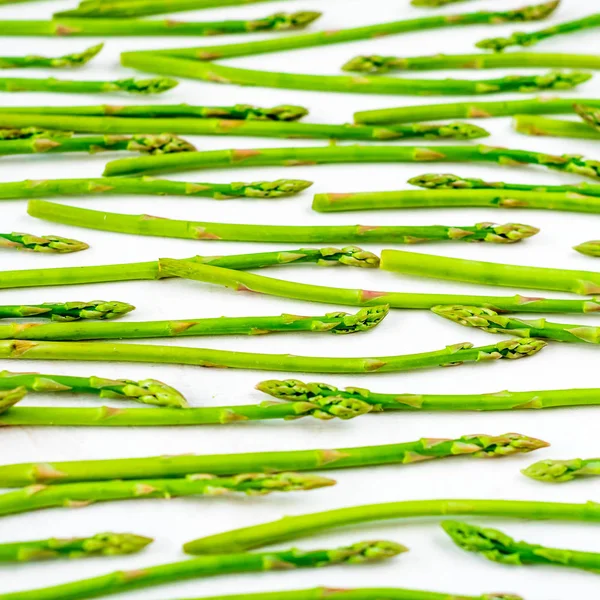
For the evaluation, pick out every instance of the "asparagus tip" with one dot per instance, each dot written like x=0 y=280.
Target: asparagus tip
x=553 y=471
x=145 y=86
x=164 y=143
x=505 y=445
x=77 y=59
x=440 y=181
x=366 y=552
x=591 y=248
x=8 y=398
x=273 y=189
x=48 y=243
x=363 y=320
x=116 y=543
x=508 y=233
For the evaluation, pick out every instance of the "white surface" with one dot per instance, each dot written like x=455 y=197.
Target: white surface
x=433 y=563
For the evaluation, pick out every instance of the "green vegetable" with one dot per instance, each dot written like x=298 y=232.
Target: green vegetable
x=62 y=62
x=561 y=471
x=8 y=398
x=25 y=133
x=49 y=243
x=589 y=248
x=532 y=125
x=67 y=311
x=590 y=115
x=130 y=86
x=433 y=3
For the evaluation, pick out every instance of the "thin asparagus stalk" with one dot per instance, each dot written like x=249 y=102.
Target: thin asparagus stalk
x=486 y=273
x=25 y=133
x=101 y=544
x=477 y=446
x=62 y=62
x=254 y=157
x=142 y=27
x=200 y=230
x=244 y=282
x=534 y=125
x=336 y=322
x=52 y=244
x=148 y=391
x=499 y=547
x=249 y=128
x=227 y=564
x=293 y=390
x=205 y=357
x=561 y=471
x=591 y=248
x=520 y=38
x=8 y=398
x=130 y=86
x=67 y=311
x=470 y=110
x=589 y=114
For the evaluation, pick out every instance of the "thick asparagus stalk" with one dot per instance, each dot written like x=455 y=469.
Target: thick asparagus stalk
x=101 y=544
x=67 y=311
x=8 y=398
x=254 y=157
x=561 y=471
x=200 y=230
x=226 y=564
x=470 y=110
x=62 y=62
x=591 y=248
x=25 y=133
x=478 y=446
x=590 y=115
x=534 y=125
x=148 y=391
x=205 y=357
x=499 y=547
x=52 y=244
x=535 y=37
x=336 y=322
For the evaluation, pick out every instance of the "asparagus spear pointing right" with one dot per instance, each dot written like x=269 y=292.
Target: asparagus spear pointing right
x=561 y=471
x=52 y=244
x=68 y=61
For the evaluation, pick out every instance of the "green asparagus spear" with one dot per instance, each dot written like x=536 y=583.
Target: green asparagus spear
x=254 y=157
x=68 y=311
x=226 y=564
x=196 y=230
x=590 y=115
x=591 y=248
x=63 y=62
x=533 y=125
x=25 y=133
x=148 y=391
x=8 y=398
x=561 y=471
x=478 y=446
x=531 y=39
x=499 y=547
x=101 y=544
x=49 y=243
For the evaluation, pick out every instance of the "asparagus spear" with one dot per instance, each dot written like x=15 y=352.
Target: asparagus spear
x=69 y=60
x=138 y=27
x=254 y=157
x=67 y=311
x=290 y=528
x=199 y=230
x=499 y=547
x=520 y=38
x=8 y=398
x=25 y=133
x=148 y=391
x=591 y=248
x=130 y=86
x=297 y=391
x=227 y=564
x=433 y=3
x=49 y=243
x=336 y=322
x=561 y=471
x=478 y=446
x=101 y=544
x=205 y=357
x=533 y=125
x=590 y=115
x=470 y=110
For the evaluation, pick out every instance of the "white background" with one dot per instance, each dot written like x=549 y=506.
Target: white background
x=433 y=563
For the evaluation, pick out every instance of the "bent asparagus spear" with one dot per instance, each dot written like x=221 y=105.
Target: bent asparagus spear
x=51 y=244
x=540 y=126
x=561 y=471
x=130 y=86
x=67 y=311
x=62 y=62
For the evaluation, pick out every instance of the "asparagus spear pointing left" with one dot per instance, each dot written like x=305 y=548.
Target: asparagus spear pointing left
x=561 y=471
x=590 y=114
x=49 y=243
x=62 y=62
x=67 y=311
x=8 y=398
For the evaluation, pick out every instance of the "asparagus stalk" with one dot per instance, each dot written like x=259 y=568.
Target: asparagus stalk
x=254 y=157
x=67 y=311
x=8 y=398
x=290 y=528
x=148 y=391
x=336 y=322
x=297 y=391
x=25 y=133
x=561 y=471
x=477 y=446
x=590 y=115
x=101 y=544
x=205 y=357
x=62 y=62
x=470 y=110
x=201 y=230
x=226 y=564
x=499 y=547
x=533 y=125
x=238 y=127
x=52 y=244
x=244 y=282
x=142 y=27
x=591 y=248
x=520 y=38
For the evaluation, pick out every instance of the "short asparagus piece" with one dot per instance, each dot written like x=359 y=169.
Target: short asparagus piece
x=68 y=311
x=477 y=446
x=199 y=230
x=101 y=544
x=287 y=157
x=52 y=244
x=8 y=398
x=590 y=115
x=499 y=547
x=531 y=39
x=298 y=391
x=336 y=322
x=226 y=564
x=534 y=125
x=25 y=133
x=148 y=391
x=209 y=358
x=61 y=62
x=486 y=273
x=561 y=471
x=591 y=248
